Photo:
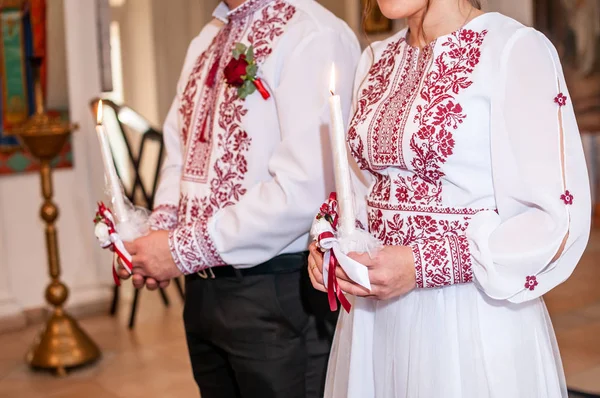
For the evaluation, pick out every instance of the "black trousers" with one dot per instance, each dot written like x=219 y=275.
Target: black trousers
x=259 y=336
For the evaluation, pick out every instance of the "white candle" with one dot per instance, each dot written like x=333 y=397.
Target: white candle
x=341 y=167
x=109 y=169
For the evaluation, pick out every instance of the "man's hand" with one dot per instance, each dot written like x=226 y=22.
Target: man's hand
x=138 y=280
x=153 y=264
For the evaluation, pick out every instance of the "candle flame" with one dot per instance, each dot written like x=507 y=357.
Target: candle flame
x=99 y=113
x=332 y=80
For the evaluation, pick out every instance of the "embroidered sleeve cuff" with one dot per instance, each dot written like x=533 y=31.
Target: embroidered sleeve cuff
x=164 y=217
x=442 y=262
x=192 y=248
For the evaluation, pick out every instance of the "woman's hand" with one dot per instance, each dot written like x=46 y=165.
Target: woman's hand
x=391 y=272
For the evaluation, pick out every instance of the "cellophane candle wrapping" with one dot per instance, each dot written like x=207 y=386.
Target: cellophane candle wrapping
x=136 y=223
x=359 y=240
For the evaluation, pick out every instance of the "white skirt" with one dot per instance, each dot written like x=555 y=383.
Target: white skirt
x=452 y=342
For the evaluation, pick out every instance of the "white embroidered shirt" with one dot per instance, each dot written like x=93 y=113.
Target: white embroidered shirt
x=242 y=177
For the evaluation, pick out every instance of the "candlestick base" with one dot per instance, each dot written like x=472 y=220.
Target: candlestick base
x=62 y=345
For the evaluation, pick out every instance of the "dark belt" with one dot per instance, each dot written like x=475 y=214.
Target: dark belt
x=281 y=264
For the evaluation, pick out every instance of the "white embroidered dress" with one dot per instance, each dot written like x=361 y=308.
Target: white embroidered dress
x=475 y=162
x=237 y=184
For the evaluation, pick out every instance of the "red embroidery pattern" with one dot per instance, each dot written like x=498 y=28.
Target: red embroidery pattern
x=407 y=210
x=377 y=84
x=440 y=246
x=531 y=282
x=561 y=99
x=163 y=217
x=433 y=142
x=192 y=242
x=269 y=27
x=567 y=197
x=424 y=209
x=387 y=129
x=199 y=147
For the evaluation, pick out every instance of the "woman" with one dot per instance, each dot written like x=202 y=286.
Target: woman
x=479 y=193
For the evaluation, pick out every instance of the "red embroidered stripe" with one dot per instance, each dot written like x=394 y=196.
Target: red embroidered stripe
x=164 y=217
x=193 y=249
x=442 y=262
x=418 y=265
x=424 y=209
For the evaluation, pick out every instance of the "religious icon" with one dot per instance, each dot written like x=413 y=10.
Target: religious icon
x=374 y=21
x=574 y=28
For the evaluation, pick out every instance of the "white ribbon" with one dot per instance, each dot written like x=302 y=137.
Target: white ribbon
x=357 y=272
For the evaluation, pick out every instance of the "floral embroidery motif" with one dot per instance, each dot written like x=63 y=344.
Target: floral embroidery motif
x=203 y=94
x=441 y=113
x=560 y=99
x=439 y=245
x=531 y=282
x=191 y=242
x=412 y=131
x=163 y=217
x=387 y=129
x=376 y=86
x=567 y=197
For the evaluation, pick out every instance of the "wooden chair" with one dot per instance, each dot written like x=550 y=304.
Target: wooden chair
x=138 y=150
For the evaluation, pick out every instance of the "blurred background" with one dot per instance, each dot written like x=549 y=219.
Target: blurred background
x=129 y=53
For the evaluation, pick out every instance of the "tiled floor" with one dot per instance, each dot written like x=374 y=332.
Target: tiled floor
x=151 y=361
x=575 y=310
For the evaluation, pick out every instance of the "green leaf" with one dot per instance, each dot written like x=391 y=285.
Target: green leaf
x=251 y=71
x=246 y=89
x=241 y=48
x=250 y=54
x=241 y=92
x=251 y=87
x=238 y=50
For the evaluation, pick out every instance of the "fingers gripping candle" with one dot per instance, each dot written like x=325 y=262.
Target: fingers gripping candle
x=343 y=184
x=109 y=169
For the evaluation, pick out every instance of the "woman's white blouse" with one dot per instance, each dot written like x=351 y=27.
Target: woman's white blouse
x=474 y=157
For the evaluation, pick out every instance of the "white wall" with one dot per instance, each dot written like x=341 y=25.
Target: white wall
x=23 y=264
x=521 y=10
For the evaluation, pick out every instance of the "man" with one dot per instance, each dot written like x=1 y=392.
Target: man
x=247 y=167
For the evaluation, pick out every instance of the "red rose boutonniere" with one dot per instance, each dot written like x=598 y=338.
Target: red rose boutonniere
x=241 y=72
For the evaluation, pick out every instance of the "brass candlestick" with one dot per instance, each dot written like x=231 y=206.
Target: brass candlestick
x=62 y=344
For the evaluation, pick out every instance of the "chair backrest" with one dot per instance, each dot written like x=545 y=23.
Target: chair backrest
x=137 y=149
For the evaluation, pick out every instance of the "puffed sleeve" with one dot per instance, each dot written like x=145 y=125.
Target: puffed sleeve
x=541 y=227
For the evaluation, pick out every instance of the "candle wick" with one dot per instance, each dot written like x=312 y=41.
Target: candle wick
x=332 y=93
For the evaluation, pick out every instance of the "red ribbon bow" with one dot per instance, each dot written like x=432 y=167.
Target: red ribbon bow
x=105 y=216
x=329 y=212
